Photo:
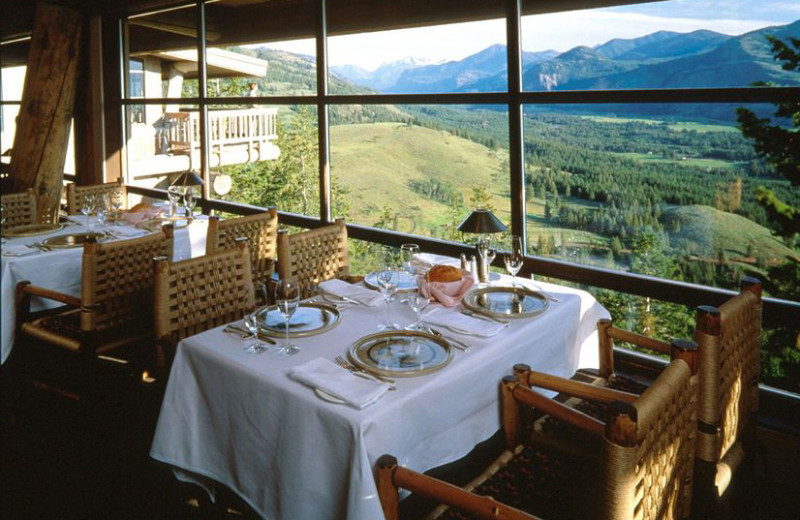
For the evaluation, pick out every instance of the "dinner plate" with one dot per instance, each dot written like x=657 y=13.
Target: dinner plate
x=505 y=302
x=71 y=240
x=406 y=282
x=31 y=230
x=309 y=319
x=403 y=353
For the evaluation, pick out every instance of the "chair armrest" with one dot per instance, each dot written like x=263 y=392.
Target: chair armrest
x=577 y=388
x=654 y=344
x=525 y=395
x=25 y=287
x=353 y=278
x=390 y=476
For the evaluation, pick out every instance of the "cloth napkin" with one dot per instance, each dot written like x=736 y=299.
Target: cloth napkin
x=125 y=231
x=340 y=288
x=329 y=377
x=455 y=320
x=448 y=294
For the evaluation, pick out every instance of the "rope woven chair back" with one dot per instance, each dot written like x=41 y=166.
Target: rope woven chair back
x=19 y=209
x=315 y=255
x=648 y=455
x=76 y=194
x=729 y=370
x=195 y=295
x=261 y=231
x=117 y=285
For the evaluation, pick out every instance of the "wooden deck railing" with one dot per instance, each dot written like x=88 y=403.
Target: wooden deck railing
x=249 y=127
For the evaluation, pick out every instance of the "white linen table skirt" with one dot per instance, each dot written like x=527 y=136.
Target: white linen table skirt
x=237 y=419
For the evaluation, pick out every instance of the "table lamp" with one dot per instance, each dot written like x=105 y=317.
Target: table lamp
x=484 y=223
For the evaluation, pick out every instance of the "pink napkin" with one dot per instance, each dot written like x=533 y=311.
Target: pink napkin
x=139 y=216
x=448 y=294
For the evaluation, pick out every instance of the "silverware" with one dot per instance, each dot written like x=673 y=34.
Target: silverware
x=456 y=343
x=549 y=296
x=232 y=327
x=342 y=362
x=483 y=317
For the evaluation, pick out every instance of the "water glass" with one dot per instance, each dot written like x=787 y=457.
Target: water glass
x=101 y=209
x=174 y=193
x=514 y=258
x=408 y=253
x=418 y=303
x=287 y=298
x=189 y=202
x=88 y=207
x=254 y=321
x=388 y=279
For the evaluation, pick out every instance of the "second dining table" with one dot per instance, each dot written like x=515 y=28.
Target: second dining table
x=237 y=419
x=59 y=269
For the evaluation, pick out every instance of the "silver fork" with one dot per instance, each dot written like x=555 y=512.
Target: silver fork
x=342 y=362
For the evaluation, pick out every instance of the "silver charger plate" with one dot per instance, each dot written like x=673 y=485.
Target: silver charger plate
x=402 y=353
x=505 y=302
x=72 y=240
x=309 y=319
x=407 y=282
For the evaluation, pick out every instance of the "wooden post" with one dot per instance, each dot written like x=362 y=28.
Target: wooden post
x=48 y=98
x=88 y=114
x=606 y=346
x=387 y=491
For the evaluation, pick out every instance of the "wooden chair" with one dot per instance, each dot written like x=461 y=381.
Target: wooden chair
x=313 y=256
x=194 y=295
x=114 y=310
x=643 y=461
x=76 y=194
x=730 y=340
x=19 y=209
x=261 y=231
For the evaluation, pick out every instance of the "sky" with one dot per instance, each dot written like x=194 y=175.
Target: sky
x=560 y=31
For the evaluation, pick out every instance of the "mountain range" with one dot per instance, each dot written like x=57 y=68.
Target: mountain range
x=662 y=59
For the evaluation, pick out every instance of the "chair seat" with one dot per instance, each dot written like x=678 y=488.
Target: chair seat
x=539 y=480
x=64 y=330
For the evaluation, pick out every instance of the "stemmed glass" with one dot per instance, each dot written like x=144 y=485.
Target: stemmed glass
x=418 y=302
x=116 y=203
x=254 y=321
x=408 y=253
x=388 y=279
x=287 y=298
x=514 y=258
x=88 y=207
x=189 y=202
x=174 y=193
x=101 y=209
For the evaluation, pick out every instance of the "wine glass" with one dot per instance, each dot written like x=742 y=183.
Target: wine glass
x=101 y=209
x=189 y=202
x=174 y=193
x=388 y=279
x=418 y=302
x=287 y=298
x=408 y=253
x=254 y=321
x=88 y=207
x=116 y=203
x=491 y=253
x=514 y=258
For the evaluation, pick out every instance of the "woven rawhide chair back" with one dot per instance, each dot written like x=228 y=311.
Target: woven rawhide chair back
x=729 y=371
x=19 y=209
x=76 y=194
x=117 y=285
x=649 y=445
x=313 y=256
x=643 y=462
x=194 y=295
x=261 y=231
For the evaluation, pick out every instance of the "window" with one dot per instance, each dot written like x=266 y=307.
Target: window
x=618 y=147
x=136 y=89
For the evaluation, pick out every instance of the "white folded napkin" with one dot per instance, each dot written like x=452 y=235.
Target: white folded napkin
x=83 y=220
x=456 y=321
x=329 y=377
x=342 y=289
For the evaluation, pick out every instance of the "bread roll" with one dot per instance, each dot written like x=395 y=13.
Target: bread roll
x=444 y=273
x=142 y=206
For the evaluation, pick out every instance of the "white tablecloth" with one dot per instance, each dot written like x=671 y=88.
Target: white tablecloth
x=60 y=270
x=237 y=418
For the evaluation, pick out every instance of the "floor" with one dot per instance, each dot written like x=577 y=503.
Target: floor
x=60 y=461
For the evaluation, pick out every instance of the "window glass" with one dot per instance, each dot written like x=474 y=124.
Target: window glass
x=418 y=169
x=266 y=156
x=672 y=44
x=462 y=57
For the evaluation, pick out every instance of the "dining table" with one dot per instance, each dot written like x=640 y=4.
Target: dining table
x=241 y=420
x=59 y=268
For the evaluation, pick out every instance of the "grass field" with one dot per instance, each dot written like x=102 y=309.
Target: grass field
x=689 y=161
x=677 y=126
